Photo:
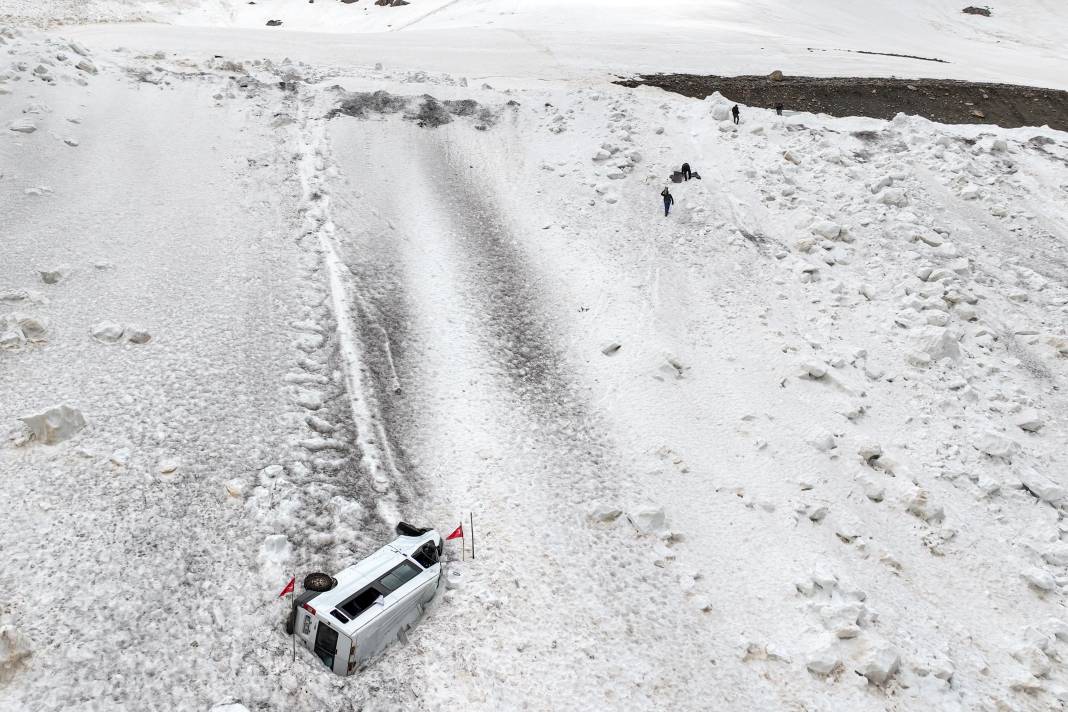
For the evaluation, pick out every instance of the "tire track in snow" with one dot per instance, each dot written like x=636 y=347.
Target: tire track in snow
x=495 y=422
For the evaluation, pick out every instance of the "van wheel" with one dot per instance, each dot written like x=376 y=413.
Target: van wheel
x=319 y=582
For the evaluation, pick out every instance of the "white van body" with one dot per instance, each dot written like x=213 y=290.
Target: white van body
x=373 y=603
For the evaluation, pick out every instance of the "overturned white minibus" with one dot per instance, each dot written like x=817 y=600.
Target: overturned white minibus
x=347 y=619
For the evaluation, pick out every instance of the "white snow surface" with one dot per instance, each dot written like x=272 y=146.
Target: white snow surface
x=1024 y=42
x=822 y=469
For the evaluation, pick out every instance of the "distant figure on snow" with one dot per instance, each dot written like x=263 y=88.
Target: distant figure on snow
x=778 y=108
x=669 y=200
x=686 y=171
x=735 y=113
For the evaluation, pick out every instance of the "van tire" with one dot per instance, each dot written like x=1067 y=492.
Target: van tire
x=319 y=582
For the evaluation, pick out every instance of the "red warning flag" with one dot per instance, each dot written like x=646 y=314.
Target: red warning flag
x=458 y=534
x=289 y=587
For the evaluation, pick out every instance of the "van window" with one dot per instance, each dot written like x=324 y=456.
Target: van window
x=326 y=644
x=361 y=601
x=399 y=576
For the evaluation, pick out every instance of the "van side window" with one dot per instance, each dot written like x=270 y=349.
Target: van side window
x=427 y=555
x=399 y=576
x=361 y=601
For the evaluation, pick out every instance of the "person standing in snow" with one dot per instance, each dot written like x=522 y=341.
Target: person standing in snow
x=669 y=200
x=735 y=113
x=778 y=108
x=686 y=171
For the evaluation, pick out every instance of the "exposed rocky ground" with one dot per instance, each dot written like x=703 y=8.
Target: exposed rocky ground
x=943 y=100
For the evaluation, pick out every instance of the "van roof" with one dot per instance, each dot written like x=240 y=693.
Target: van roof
x=354 y=578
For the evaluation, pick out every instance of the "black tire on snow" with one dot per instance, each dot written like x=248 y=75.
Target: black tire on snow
x=319 y=582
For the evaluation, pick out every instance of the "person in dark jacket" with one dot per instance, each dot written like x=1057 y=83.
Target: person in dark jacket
x=669 y=200
x=736 y=113
x=778 y=108
x=686 y=171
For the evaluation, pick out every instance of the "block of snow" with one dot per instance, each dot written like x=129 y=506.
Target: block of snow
x=894 y=196
x=1040 y=579
x=12 y=338
x=995 y=445
x=880 y=664
x=54 y=425
x=601 y=512
x=86 y=66
x=32 y=328
x=312 y=400
x=649 y=519
x=813 y=369
x=826 y=229
x=872 y=489
x=936 y=342
x=229 y=707
x=137 y=334
x=276 y=549
x=168 y=466
x=54 y=275
x=870 y=452
x=1030 y=420
x=919 y=505
x=22 y=126
x=1041 y=486
x=824 y=442
x=107 y=332
x=1034 y=659
x=14 y=650
x=120 y=457
x=1056 y=554
x=822 y=661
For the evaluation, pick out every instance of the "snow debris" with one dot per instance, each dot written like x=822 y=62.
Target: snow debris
x=894 y=196
x=995 y=445
x=168 y=466
x=813 y=369
x=601 y=512
x=873 y=490
x=920 y=506
x=1040 y=579
x=1041 y=486
x=107 y=332
x=136 y=334
x=823 y=661
x=649 y=519
x=229 y=707
x=611 y=348
x=22 y=126
x=54 y=275
x=120 y=458
x=54 y=425
x=826 y=229
x=1030 y=420
x=15 y=650
x=880 y=664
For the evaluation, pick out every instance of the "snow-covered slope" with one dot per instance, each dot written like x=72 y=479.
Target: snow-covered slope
x=1023 y=42
x=799 y=445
